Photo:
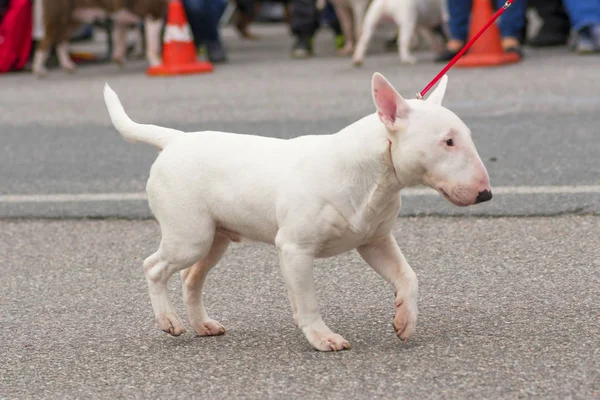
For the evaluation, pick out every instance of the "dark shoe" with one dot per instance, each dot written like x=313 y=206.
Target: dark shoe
x=446 y=55
x=549 y=39
x=303 y=47
x=516 y=50
x=215 y=51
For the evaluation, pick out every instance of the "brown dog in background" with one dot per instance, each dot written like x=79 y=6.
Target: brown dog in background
x=62 y=17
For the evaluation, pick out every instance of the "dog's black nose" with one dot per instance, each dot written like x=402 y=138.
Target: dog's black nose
x=483 y=196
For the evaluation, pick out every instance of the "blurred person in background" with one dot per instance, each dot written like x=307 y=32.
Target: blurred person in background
x=203 y=17
x=511 y=25
x=585 y=20
x=556 y=25
x=304 y=22
x=306 y=17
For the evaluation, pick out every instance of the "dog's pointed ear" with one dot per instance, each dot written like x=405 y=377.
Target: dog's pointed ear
x=437 y=95
x=390 y=105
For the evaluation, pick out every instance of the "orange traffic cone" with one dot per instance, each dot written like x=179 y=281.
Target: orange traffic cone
x=487 y=50
x=179 y=52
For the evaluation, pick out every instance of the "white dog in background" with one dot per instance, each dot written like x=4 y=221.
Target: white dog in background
x=410 y=16
x=311 y=197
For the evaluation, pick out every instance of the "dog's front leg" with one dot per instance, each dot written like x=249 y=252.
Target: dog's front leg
x=152 y=30
x=120 y=44
x=297 y=269
x=385 y=257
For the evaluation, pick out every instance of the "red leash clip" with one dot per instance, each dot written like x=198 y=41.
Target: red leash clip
x=421 y=94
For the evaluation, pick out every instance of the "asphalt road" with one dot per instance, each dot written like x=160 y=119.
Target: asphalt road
x=534 y=124
x=509 y=292
x=508 y=308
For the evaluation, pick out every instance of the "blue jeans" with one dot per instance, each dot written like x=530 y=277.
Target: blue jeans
x=510 y=23
x=583 y=13
x=203 y=17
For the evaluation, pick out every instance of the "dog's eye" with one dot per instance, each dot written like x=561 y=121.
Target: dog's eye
x=449 y=142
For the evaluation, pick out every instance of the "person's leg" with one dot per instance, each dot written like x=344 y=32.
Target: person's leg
x=193 y=12
x=511 y=24
x=585 y=18
x=203 y=17
x=459 y=12
x=555 y=23
x=214 y=45
x=303 y=25
x=583 y=13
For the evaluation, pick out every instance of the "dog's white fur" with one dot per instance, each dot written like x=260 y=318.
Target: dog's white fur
x=312 y=197
x=409 y=16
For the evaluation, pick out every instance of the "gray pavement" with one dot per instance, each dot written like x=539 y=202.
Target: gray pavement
x=509 y=292
x=508 y=308
x=535 y=124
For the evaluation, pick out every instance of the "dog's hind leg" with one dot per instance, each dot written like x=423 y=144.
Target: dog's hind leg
x=62 y=52
x=358 y=15
x=405 y=20
x=182 y=245
x=193 y=279
x=40 y=57
x=371 y=21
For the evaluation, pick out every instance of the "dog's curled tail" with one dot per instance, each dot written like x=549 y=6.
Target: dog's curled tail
x=132 y=131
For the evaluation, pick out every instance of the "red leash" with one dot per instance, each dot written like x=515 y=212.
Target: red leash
x=420 y=95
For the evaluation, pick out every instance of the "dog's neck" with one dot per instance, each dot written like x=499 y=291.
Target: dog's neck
x=372 y=144
x=368 y=148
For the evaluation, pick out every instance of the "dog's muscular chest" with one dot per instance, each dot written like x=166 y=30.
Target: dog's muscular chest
x=342 y=231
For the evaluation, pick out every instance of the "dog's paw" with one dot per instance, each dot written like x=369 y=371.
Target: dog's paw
x=346 y=51
x=209 y=328
x=324 y=341
x=154 y=60
x=171 y=324
x=409 y=60
x=405 y=320
x=40 y=73
x=119 y=62
x=357 y=62
x=69 y=66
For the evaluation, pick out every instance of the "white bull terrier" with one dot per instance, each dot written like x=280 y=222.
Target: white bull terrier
x=313 y=196
x=409 y=16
